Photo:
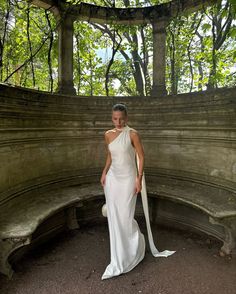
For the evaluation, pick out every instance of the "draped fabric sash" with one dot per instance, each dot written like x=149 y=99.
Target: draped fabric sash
x=153 y=248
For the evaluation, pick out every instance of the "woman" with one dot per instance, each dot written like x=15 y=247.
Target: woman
x=122 y=180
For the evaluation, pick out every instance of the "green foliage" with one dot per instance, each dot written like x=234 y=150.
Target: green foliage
x=17 y=49
x=201 y=60
x=200 y=50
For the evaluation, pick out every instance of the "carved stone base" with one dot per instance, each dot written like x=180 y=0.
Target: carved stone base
x=71 y=219
x=7 y=246
x=229 y=225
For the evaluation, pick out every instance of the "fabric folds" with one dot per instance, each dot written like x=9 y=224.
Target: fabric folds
x=127 y=243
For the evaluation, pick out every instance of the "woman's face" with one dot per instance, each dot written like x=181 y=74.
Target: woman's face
x=119 y=119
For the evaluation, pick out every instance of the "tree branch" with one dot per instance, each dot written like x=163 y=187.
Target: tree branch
x=50 y=51
x=30 y=45
x=114 y=50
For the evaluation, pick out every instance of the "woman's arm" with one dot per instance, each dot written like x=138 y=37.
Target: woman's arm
x=108 y=162
x=136 y=140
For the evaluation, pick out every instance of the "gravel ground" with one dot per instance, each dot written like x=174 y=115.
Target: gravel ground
x=74 y=261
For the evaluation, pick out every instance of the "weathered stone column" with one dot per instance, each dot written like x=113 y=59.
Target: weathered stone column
x=65 y=58
x=159 y=57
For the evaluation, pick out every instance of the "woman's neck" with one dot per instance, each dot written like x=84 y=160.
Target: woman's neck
x=120 y=129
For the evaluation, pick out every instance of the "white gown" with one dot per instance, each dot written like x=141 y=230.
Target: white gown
x=127 y=243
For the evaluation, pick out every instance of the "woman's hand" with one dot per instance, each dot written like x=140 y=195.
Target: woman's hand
x=103 y=179
x=138 y=185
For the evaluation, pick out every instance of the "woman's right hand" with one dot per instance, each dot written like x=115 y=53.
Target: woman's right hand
x=103 y=179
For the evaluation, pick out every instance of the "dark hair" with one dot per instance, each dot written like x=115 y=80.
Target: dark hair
x=120 y=107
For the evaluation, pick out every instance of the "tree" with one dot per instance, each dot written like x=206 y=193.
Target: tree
x=117 y=59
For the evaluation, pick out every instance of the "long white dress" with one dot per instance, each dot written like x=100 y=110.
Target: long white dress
x=127 y=243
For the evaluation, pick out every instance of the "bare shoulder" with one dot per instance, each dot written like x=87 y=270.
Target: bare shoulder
x=108 y=135
x=134 y=134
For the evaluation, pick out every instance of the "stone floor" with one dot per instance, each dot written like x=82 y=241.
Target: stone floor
x=73 y=262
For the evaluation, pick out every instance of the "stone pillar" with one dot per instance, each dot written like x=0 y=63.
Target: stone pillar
x=159 y=57
x=65 y=58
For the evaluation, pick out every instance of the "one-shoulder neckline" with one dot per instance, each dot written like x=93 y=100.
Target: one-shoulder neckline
x=123 y=129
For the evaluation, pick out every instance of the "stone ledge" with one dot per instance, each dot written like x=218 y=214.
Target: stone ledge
x=215 y=201
x=35 y=206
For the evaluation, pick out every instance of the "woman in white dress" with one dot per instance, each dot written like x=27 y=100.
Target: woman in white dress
x=122 y=180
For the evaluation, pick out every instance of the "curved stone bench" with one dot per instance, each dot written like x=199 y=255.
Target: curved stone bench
x=208 y=208
x=190 y=203
x=22 y=215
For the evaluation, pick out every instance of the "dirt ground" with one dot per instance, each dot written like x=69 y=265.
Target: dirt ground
x=73 y=262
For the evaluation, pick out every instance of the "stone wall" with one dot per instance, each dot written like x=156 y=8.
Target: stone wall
x=48 y=138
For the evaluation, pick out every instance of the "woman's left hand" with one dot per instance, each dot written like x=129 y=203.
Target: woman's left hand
x=138 y=185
